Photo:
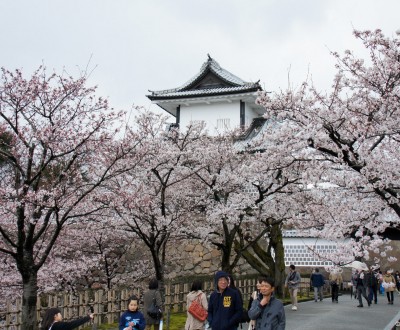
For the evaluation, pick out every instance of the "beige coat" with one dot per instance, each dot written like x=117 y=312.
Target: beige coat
x=191 y=322
x=336 y=277
x=388 y=278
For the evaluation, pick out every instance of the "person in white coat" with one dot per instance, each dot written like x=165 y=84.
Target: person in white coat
x=195 y=293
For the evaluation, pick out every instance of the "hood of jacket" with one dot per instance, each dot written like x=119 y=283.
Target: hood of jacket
x=218 y=275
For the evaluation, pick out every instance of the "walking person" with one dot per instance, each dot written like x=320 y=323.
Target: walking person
x=372 y=287
x=132 y=319
x=389 y=284
x=354 y=283
x=52 y=319
x=397 y=278
x=335 y=281
x=266 y=310
x=195 y=293
x=292 y=282
x=362 y=288
x=224 y=308
x=317 y=281
x=150 y=296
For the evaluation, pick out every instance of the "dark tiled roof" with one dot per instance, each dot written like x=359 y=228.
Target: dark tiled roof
x=205 y=92
x=230 y=84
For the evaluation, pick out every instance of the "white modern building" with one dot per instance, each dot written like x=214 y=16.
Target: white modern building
x=299 y=250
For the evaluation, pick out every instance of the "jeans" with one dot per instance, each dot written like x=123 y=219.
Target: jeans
x=318 y=292
x=373 y=293
x=361 y=292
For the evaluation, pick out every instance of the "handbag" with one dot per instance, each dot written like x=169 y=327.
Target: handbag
x=154 y=311
x=197 y=310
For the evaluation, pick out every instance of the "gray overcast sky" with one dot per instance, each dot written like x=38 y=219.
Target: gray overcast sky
x=134 y=46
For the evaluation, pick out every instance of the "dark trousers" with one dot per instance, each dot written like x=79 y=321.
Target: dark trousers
x=389 y=295
x=335 y=292
x=361 y=292
x=373 y=293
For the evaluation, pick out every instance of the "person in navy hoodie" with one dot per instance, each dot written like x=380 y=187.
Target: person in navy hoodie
x=225 y=306
x=132 y=318
x=317 y=281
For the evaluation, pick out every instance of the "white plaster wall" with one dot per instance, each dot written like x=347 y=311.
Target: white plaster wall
x=211 y=113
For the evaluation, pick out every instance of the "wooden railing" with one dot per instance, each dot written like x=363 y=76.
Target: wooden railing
x=108 y=304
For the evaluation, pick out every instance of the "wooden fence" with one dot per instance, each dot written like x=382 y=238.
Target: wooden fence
x=108 y=305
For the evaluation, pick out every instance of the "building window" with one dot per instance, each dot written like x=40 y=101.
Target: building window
x=223 y=124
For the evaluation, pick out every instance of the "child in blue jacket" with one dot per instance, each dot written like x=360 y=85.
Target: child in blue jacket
x=132 y=318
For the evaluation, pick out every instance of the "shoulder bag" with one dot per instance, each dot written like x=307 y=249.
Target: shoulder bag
x=197 y=310
x=154 y=311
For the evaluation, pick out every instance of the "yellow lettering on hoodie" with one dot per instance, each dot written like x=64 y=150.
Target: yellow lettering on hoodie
x=227 y=301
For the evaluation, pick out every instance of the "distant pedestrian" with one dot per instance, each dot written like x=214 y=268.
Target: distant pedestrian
x=267 y=310
x=224 y=307
x=372 y=287
x=397 y=278
x=335 y=281
x=195 y=293
x=52 y=319
x=354 y=283
x=379 y=276
x=292 y=282
x=362 y=288
x=132 y=319
x=150 y=296
x=389 y=284
x=318 y=282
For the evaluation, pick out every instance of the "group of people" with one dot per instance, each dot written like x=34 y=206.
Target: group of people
x=368 y=283
x=317 y=281
x=225 y=305
x=224 y=308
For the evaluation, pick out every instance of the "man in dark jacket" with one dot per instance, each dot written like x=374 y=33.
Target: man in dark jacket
x=317 y=282
x=362 y=284
x=267 y=310
x=372 y=282
x=224 y=308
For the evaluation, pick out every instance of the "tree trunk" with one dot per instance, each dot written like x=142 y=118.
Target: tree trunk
x=276 y=240
x=29 y=301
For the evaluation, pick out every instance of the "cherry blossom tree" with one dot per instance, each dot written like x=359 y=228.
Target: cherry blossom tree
x=154 y=201
x=57 y=151
x=245 y=190
x=351 y=139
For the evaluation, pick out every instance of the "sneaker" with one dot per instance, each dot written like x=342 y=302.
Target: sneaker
x=360 y=306
x=294 y=308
